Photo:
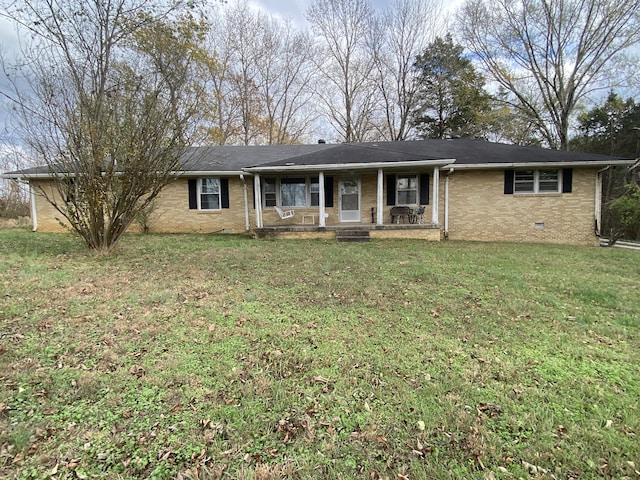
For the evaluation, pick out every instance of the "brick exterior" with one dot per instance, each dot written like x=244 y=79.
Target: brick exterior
x=478 y=210
x=49 y=219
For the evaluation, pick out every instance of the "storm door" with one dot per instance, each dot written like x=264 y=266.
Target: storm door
x=349 y=199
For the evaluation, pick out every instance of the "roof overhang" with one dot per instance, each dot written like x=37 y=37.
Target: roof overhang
x=530 y=165
x=209 y=173
x=332 y=167
x=26 y=176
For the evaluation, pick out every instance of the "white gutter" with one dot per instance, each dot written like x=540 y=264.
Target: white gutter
x=210 y=173
x=598 y=163
x=351 y=166
x=29 y=176
x=34 y=211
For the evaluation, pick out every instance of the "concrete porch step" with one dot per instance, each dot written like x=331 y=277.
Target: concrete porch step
x=353 y=236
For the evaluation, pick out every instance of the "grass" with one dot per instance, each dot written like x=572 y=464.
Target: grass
x=204 y=357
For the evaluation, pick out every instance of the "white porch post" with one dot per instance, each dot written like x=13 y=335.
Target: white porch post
x=258 y=195
x=247 y=226
x=434 y=202
x=446 y=203
x=321 y=200
x=379 y=211
x=34 y=211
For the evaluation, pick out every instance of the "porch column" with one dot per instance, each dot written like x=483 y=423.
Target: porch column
x=321 y=200
x=247 y=225
x=258 y=196
x=379 y=207
x=434 y=202
x=34 y=210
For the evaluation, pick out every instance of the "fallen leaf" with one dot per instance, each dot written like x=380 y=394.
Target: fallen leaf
x=137 y=370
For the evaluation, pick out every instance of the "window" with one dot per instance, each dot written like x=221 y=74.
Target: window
x=293 y=192
x=406 y=189
x=536 y=181
x=296 y=191
x=315 y=192
x=270 y=194
x=209 y=193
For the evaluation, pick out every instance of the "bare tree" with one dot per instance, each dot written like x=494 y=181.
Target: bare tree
x=108 y=114
x=550 y=54
x=260 y=78
x=287 y=71
x=347 y=90
x=400 y=34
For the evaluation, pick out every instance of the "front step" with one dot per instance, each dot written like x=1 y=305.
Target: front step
x=353 y=236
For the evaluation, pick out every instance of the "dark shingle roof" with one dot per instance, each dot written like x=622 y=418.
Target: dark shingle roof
x=466 y=153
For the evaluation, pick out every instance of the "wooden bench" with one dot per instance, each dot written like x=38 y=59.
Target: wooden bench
x=400 y=213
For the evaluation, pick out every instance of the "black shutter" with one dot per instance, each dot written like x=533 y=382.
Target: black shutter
x=328 y=191
x=193 y=193
x=391 y=189
x=224 y=192
x=508 y=182
x=567 y=180
x=424 y=189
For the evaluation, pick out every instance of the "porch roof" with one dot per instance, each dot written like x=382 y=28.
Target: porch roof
x=353 y=156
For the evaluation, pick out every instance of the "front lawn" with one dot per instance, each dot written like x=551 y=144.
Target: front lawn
x=204 y=357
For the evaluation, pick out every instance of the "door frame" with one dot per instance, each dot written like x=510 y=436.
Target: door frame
x=356 y=215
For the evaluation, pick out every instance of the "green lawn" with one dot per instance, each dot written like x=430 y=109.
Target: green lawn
x=204 y=357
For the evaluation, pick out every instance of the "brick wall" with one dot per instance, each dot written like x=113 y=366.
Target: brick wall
x=479 y=210
x=172 y=213
x=48 y=217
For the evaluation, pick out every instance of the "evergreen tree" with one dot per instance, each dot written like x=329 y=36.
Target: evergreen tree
x=452 y=100
x=610 y=128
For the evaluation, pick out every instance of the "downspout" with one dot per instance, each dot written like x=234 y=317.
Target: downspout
x=247 y=225
x=446 y=203
x=598 y=201
x=34 y=213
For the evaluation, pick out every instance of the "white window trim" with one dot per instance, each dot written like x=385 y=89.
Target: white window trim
x=417 y=189
x=278 y=183
x=199 y=195
x=536 y=183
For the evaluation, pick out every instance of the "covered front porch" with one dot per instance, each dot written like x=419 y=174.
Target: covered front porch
x=350 y=188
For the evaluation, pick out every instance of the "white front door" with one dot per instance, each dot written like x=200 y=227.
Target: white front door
x=350 y=199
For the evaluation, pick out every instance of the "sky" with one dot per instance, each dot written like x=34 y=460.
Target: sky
x=293 y=10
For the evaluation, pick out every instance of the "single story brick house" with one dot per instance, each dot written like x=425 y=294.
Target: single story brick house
x=458 y=189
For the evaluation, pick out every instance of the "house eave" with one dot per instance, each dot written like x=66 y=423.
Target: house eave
x=351 y=166
x=26 y=176
x=209 y=173
x=486 y=166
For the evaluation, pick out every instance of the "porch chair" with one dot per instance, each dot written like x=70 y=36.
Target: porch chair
x=284 y=214
x=417 y=215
